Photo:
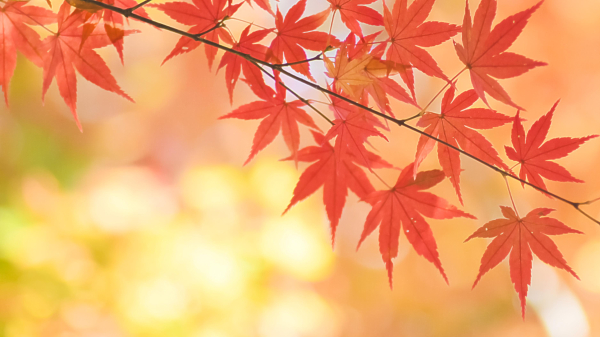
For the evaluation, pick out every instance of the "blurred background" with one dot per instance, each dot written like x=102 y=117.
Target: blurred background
x=147 y=224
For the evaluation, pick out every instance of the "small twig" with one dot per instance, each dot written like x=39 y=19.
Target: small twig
x=410 y=118
x=586 y=215
x=130 y=10
x=589 y=201
x=219 y=24
x=280 y=65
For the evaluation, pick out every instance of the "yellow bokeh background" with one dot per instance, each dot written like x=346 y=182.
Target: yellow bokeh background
x=148 y=224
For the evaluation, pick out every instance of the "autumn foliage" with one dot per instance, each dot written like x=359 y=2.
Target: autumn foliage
x=363 y=73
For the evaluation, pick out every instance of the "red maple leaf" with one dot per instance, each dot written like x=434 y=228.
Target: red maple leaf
x=342 y=110
x=234 y=64
x=378 y=71
x=455 y=125
x=408 y=32
x=483 y=50
x=202 y=16
x=264 y=4
x=278 y=114
x=15 y=33
x=358 y=71
x=335 y=176
x=113 y=22
x=65 y=51
x=519 y=237
x=402 y=206
x=351 y=132
x=295 y=34
x=534 y=157
x=353 y=11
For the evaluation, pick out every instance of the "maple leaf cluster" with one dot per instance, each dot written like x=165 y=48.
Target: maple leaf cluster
x=71 y=47
x=361 y=71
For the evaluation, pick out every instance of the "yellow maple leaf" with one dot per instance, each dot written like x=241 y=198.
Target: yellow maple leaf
x=349 y=75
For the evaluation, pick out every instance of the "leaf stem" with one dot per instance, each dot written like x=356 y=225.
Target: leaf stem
x=331 y=26
x=321 y=102
x=380 y=179
x=304 y=100
x=218 y=25
x=250 y=23
x=510 y=195
x=450 y=82
x=279 y=65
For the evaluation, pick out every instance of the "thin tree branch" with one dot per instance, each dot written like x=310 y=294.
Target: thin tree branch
x=130 y=10
x=218 y=25
x=280 y=65
x=399 y=122
x=589 y=201
x=586 y=214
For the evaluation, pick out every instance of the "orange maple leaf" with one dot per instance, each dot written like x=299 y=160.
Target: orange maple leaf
x=402 y=206
x=520 y=237
x=534 y=157
x=483 y=50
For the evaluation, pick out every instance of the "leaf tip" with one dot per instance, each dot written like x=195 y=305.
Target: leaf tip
x=332 y=239
x=476 y=281
x=359 y=243
x=389 y=265
x=78 y=124
x=5 y=90
x=287 y=209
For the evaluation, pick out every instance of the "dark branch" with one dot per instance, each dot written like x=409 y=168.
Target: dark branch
x=280 y=65
x=218 y=25
x=130 y=10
